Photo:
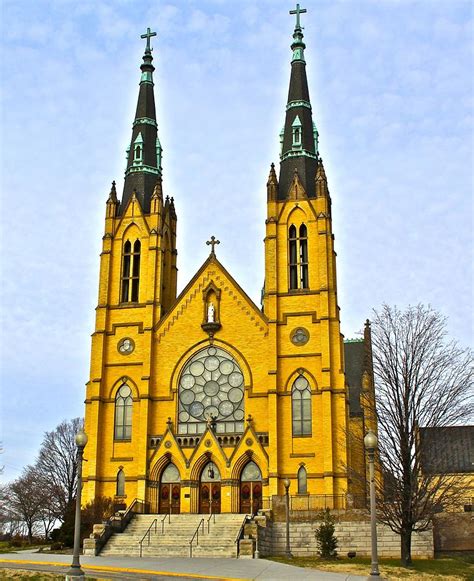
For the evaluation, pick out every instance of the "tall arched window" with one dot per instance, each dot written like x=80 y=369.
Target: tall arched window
x=298 y=257
x=302 y=481
x=123 y=413
x=301 y=406
x=304 y=257
x=120 y=491
x=130 y=271
x=293 y=241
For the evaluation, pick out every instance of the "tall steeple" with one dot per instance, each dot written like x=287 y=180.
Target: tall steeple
x=299 y=138
x=144 y=152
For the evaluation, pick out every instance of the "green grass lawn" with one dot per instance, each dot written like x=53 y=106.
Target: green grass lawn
x=461 y=567
x=7 y=547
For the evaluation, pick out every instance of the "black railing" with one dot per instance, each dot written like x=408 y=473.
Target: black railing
x=316 y=502
x=118 y=523
x=147 y=535
x=239 y=534
x=211 y=516
x=167 y=516
x=196 y=536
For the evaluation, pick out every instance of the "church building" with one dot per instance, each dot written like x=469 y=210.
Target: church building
x=205 y=401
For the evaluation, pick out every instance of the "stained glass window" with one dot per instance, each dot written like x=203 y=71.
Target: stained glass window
x=251 y=472
x=170 y=474
x=301 y=407
x=120 y=483
x=123 y=413
x=211 y=386
x=302 y=481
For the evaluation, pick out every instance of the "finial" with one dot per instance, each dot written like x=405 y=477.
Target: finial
x=249 y=420
x=298 y=11
x=212 y=242
x=298 y=45
x=148 y=34
x=367 y=323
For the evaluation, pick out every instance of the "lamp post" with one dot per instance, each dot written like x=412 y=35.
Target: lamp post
x=370 y=443
x=287 y=483
x=75 y=571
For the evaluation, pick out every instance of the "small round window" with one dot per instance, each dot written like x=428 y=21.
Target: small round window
x=299 y=336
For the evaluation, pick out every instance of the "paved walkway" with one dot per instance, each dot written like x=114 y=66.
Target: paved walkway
x=173 y=568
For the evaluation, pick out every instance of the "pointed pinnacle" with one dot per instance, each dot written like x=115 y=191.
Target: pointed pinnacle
x=158 y=190
x=272 y=177
x=113 y=193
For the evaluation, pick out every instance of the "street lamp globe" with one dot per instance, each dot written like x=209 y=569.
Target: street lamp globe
x=81 y=439
x=286 y=483
x=370 y=441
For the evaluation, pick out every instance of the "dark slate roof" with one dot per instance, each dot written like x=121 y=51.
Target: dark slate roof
x=298 y=94
x=354 y=354
x=447 y=450
x=143 y=182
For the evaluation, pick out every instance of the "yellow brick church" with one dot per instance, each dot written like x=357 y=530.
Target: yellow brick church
x=205 y=401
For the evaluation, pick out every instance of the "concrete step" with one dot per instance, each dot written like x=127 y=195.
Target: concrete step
x=218 y=542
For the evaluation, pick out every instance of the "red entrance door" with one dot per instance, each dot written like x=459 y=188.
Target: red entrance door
x=210 y=491
x=170 y=497
x=250 y=497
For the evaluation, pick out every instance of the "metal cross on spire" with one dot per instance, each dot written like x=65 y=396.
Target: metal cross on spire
x=212 y=242
x=298 y=11
x=148 y=34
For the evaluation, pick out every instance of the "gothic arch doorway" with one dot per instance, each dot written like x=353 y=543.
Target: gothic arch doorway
x=250 y=488
x=170 y=491
x=210 y=490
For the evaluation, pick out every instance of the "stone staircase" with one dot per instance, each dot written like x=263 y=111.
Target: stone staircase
x=173 y=535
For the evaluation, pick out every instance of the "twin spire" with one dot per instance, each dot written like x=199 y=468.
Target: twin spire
x=144 y=153
x=299 y=138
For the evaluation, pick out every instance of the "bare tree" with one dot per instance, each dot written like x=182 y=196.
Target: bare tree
x=422 y=379
x=25 y=499
x=57 y=466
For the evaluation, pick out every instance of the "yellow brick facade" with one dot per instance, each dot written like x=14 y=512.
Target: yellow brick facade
x=166 y=332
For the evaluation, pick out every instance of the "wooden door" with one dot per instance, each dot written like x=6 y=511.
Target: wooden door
x=204 y=497
x=250 y=497
x=170 y=498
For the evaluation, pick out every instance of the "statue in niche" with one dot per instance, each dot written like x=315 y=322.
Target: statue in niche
x=211 y=312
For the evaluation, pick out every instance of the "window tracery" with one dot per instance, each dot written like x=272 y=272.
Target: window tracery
x=211 y=388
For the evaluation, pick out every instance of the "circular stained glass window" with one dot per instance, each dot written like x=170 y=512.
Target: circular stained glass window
x=299 y=336
x=211 y=386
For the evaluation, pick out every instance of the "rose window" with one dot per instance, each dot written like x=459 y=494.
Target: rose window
x=211 y=387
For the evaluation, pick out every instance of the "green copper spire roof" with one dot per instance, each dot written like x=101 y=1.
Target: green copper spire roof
x=144 y=152
x=299 y=149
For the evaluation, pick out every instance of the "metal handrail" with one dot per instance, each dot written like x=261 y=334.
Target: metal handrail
x=147 y=533
x=196 y=534
x=239 y=534
x=114 y=525
x=213 y=516
x=167 y=516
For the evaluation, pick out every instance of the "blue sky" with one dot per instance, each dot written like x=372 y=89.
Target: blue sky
x=391 y=88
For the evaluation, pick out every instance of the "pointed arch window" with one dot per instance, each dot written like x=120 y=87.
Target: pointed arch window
x=120 y=490
x=301 y=407
x=138 y=153
x=123 y=413
x=130 y=271
x=302 y=481
x=298 y=257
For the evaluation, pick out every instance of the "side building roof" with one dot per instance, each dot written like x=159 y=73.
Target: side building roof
x=447 y=449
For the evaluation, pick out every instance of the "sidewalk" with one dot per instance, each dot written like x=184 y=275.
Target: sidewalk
x=175 y=568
